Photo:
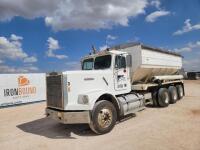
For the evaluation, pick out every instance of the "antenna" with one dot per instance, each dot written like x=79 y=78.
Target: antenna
x=106 y=42
x=94 y=49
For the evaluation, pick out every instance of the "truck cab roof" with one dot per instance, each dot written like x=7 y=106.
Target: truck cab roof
x=104 y=52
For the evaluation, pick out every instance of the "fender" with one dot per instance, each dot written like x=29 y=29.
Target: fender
x=95 y=96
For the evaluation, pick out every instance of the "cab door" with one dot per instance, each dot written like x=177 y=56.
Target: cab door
x=120 y=73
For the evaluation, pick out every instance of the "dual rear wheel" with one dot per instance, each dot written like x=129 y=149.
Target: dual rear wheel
x=180 y=91
x=164 y=96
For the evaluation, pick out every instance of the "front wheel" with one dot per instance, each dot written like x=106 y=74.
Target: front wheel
x=104 y=117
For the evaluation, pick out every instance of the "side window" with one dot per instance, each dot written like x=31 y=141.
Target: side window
x=88 y=64
x=120 y=62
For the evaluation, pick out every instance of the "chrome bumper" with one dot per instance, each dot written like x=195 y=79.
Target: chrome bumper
x=69 y=117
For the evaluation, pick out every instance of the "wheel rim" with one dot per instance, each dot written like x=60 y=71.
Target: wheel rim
x=105 y=118
x=175 y=95
x=166 y=98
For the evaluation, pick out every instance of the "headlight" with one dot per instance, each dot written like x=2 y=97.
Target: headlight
x=83 y=99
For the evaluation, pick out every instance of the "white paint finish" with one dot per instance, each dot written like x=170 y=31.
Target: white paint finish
x=172 y=77
x=142 y=87
x=31 y=88
x=162 y=60
x=148 y=63
x=135 y=52
x=121 y=76
x=145 y=65
x=88 y=83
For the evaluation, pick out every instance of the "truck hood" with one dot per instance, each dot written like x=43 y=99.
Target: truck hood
x=86 y=72
x=83 y=82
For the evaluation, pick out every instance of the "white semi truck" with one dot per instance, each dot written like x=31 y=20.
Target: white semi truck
x=113 y=83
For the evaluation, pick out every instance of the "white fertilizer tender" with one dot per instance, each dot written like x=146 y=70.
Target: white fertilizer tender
x=114 y=83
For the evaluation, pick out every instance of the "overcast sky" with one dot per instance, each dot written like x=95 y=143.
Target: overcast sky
x=52 y=35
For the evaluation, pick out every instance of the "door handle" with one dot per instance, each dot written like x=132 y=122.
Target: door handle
x=119 y=76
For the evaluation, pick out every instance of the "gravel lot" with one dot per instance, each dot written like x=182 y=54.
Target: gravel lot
x=176 y=127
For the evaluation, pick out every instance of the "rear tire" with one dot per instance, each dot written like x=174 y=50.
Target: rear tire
x=173 y=94
x=163 y=97
x=180 y=91
x=155 y=98
x=104 y=117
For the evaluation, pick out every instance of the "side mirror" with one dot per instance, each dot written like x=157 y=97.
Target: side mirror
x=128 y=61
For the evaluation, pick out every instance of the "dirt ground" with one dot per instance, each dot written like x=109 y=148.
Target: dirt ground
x=176 y=127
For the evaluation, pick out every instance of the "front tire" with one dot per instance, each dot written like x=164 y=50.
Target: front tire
x=104 y=117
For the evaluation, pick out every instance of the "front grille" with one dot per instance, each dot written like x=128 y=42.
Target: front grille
x=54 y=91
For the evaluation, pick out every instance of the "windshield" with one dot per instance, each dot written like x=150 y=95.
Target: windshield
x=102 y=62
x=88 y=64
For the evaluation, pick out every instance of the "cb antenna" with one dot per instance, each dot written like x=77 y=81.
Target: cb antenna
x=94 y=49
